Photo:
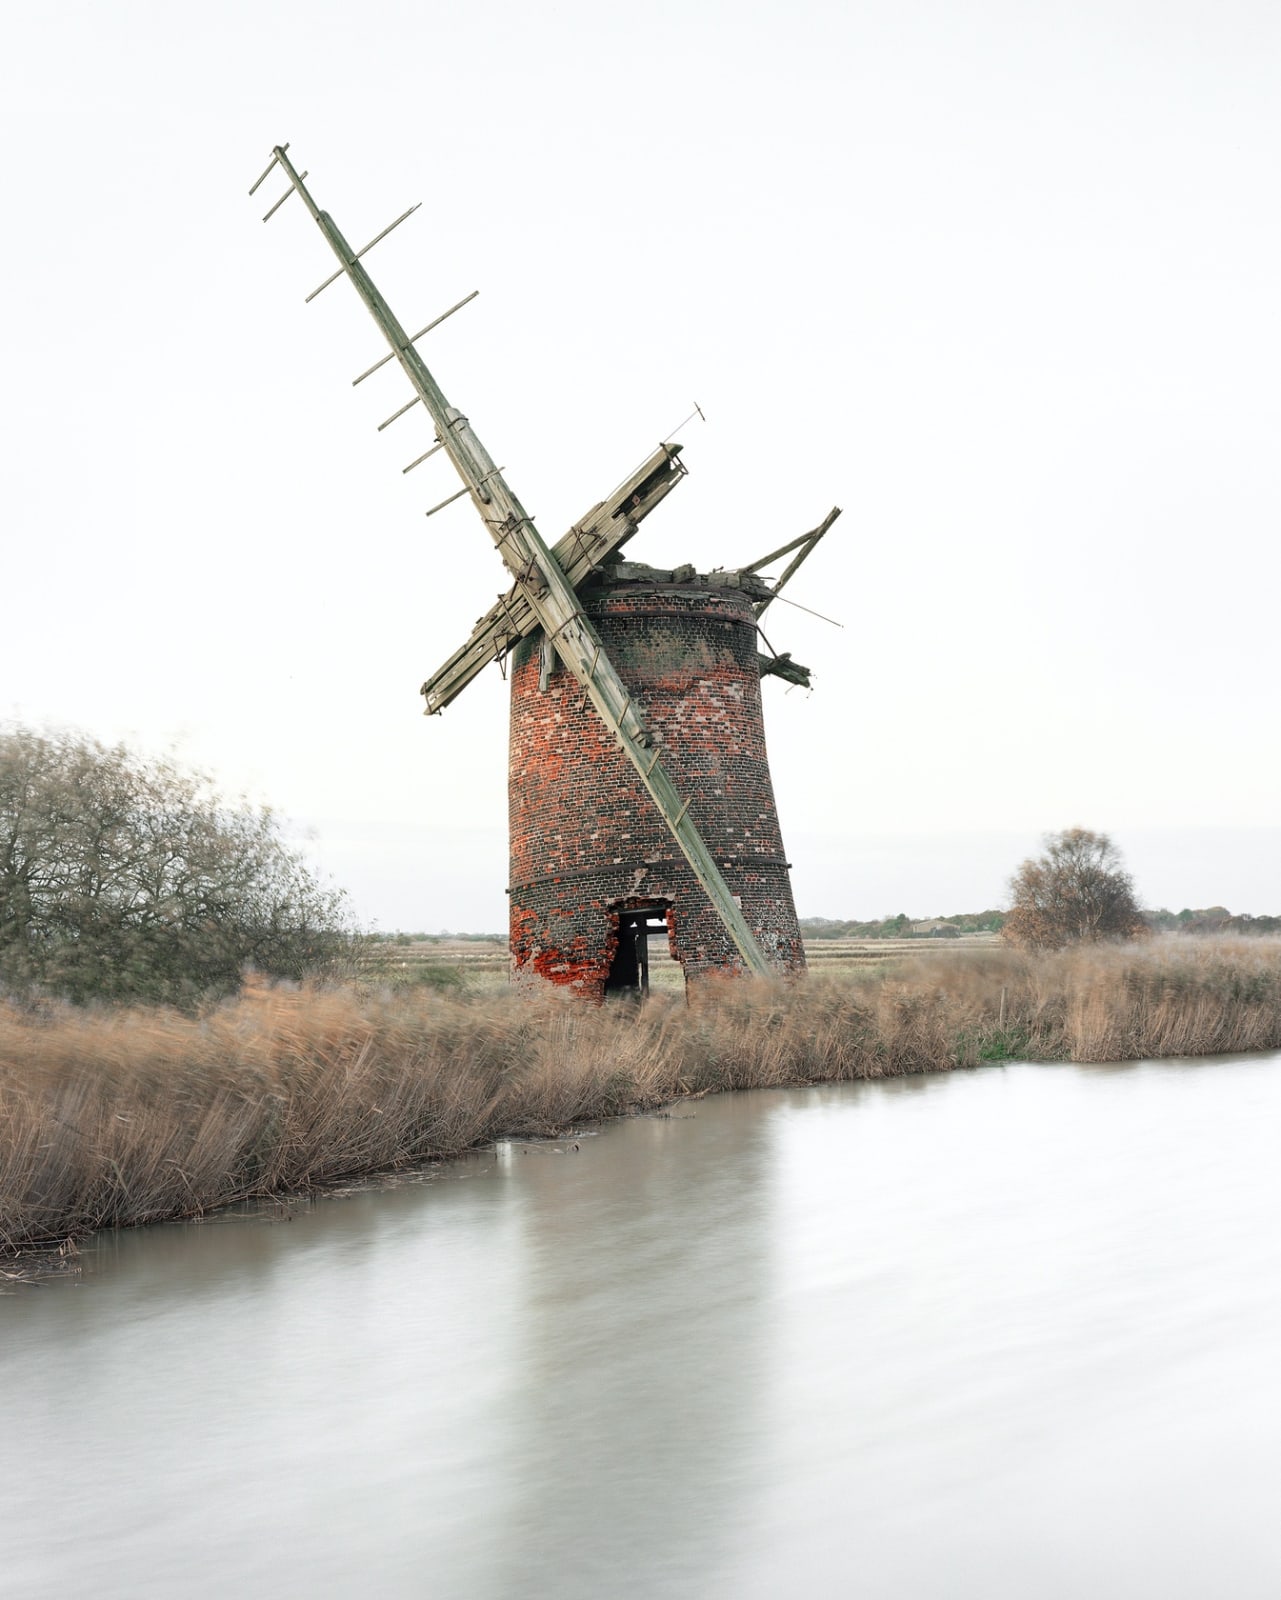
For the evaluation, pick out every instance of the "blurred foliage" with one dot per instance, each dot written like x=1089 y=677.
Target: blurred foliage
x=126 y=878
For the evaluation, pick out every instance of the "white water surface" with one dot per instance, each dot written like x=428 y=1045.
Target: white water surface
x=987 y=1336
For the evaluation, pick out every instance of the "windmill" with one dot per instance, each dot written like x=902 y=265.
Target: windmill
x=611 y=768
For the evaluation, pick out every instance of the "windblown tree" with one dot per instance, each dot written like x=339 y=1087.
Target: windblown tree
x=1078 y=891
x=124 y=878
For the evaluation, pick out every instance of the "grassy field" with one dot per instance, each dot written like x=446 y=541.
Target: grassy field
x=112 y=1117
x=482 y=964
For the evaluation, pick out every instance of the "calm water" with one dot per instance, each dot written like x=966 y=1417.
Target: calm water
x=1013 y=1333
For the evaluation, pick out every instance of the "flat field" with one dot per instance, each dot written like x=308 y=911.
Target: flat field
x=480 y=965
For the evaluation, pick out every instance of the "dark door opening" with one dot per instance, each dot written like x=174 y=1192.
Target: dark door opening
x=629 y=970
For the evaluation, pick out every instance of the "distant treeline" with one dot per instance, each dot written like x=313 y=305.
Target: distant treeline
x=1210 y=919
x=904 y=927
x=1207 y=919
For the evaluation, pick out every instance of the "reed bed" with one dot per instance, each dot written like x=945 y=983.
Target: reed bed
x=114 y=1117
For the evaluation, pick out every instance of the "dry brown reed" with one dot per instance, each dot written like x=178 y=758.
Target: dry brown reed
x=111 y=1117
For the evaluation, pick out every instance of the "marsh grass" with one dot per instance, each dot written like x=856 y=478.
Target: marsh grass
x=111 y=1117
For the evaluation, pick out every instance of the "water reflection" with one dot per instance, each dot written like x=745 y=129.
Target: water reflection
x=640 y=1363
x=1006 y=1333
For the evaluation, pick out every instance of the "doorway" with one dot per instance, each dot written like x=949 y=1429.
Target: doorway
x=629 y=970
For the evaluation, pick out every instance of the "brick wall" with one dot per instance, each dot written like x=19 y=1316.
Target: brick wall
x=587 y=840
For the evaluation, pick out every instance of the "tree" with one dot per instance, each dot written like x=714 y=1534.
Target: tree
x=124 y=878
x=1078 y=891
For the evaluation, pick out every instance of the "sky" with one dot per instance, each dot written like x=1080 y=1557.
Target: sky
x=997 y=278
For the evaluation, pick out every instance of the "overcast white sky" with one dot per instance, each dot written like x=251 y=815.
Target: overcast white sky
x=998 y=278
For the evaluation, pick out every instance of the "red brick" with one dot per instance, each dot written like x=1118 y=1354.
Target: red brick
x=587 y=841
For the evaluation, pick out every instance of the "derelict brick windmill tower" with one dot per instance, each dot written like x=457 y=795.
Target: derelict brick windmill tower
x=639 y=792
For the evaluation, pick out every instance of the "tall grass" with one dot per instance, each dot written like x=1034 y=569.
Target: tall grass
x=113 y=1117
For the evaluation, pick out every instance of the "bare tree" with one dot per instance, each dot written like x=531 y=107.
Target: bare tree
x=1078 y=891
x=123 y=878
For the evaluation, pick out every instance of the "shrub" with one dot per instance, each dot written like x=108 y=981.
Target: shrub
x=1077 y=892
x=125 y=878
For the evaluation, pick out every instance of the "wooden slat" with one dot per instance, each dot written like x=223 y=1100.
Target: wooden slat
x=803 y=546
x=605 y=528
x=783 y=667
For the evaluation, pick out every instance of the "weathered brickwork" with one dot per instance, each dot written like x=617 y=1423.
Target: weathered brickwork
x=588 y=842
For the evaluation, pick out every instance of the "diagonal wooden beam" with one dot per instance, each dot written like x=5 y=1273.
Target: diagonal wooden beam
x=804 y=545
x=605 y=528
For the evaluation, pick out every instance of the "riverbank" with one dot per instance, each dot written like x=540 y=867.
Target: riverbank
x=110 y=1118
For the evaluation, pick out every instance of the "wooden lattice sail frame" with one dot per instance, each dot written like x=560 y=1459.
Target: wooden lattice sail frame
x=543 y=578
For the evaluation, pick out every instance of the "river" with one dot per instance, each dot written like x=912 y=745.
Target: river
x=1004 y=1333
